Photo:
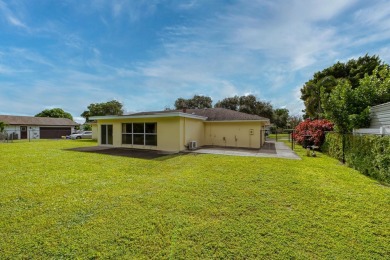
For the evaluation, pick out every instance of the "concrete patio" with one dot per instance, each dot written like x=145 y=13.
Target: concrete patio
x=271 y=149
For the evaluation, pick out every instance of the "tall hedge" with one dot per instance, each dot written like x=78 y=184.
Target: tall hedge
x=368 y=154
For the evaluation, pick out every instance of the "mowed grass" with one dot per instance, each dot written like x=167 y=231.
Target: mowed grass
x=56 y=203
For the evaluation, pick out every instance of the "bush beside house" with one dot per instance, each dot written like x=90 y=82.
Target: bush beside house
x=312 y=131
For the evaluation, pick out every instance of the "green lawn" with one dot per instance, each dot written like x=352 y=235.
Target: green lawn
x=56 y=203
x=280 y=136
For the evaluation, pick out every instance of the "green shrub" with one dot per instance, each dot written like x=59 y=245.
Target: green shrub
x=368 y=154
x=333 y=146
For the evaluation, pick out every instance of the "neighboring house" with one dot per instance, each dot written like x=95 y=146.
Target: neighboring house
x=380 y=121
x=176 y=130
x=28 y=127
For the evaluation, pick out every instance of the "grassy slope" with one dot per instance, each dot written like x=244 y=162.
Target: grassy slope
x=57 y=203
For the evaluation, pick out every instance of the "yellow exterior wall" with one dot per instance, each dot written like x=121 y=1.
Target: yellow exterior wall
x=191 y=130
x=174 y=133
x=168 y=133
x=95 y=131
x=233 y=134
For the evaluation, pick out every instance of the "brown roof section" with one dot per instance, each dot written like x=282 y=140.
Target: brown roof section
x=36 y=121
x=212 y=114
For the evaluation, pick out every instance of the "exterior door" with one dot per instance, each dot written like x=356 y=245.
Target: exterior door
x=23 y=132
x=106 y=134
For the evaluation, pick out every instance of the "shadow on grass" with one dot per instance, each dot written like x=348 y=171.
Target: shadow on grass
x=126 y=152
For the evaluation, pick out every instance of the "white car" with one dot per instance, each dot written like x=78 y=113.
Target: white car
x=82 y=135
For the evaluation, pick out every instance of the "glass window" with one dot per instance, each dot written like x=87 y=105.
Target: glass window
x=127 y=128
x=127 y=139
x=151 y=140
x=106 y=134
x=139 y=133
x=109 y=134
x=138 y=139
x=138 y=128
x=150 y=128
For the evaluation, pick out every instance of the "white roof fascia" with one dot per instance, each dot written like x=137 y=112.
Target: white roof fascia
x=157 y=115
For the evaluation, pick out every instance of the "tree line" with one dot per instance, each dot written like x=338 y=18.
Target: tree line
x=344 y=92
x=249 y=104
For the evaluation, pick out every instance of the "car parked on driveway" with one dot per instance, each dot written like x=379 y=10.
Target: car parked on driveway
x=82 y=135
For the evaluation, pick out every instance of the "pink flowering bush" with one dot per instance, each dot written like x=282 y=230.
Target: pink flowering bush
x=315 y=129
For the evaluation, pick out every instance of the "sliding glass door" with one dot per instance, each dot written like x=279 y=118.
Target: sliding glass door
x=106 y=131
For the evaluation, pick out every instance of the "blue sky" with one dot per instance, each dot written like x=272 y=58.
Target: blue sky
x=147 y=53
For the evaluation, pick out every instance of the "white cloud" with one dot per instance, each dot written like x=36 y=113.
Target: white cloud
x=133 y=11
x=5 y=70
x=235 y=44
x=15 y=21
x=377 y=15
x=384 y=53
x=29 y=55
x=11 y=17
x=248 y=46
x=185 y=5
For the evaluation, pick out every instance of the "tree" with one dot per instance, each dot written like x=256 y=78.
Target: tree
x=196 y=101
x=349 y=107
x=112 y=107
x=55 y=112
x=280 y=117
x=2 y=126
x=3 y=134
x=232 y=103
x=293 y=121
x=247 y=104
x=87 y=127
x=325 y=81
x=374 y=89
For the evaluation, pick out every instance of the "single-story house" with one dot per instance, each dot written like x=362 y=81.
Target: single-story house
x=178 y=130
x=380 y=121
x=29 y=127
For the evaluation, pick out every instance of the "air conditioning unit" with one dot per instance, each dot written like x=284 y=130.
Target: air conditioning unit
x=192 y=145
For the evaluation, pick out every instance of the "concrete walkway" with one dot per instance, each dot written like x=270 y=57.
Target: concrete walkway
x=271 y=149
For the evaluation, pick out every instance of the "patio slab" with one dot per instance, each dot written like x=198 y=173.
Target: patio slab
x=271 y=149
